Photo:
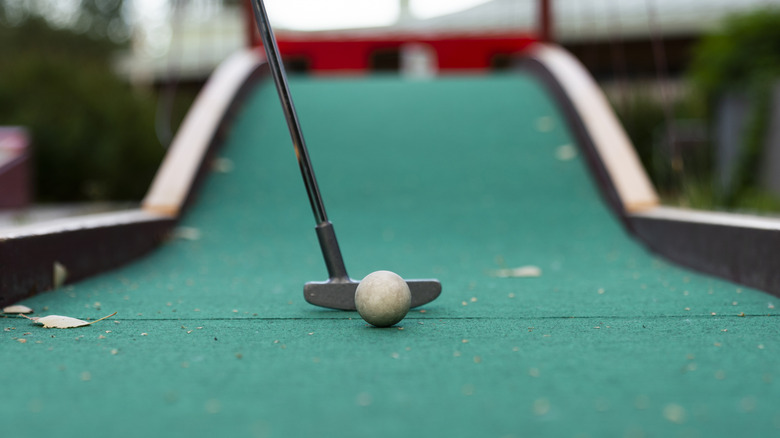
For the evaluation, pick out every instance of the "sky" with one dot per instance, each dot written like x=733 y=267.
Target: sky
x=154 y=16
x=334 y=14
x=321 y=14
x=339 y=14
x=318 y=14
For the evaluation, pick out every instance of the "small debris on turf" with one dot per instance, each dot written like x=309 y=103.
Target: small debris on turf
x=674 y=413
x=541 y=407
x=186 y=233
x=18 y=308
x=544 y=124
x=60 y=275
x=222 y=165
x=521 y=271
x=565 y=152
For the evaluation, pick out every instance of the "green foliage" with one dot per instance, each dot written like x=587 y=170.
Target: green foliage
x=102 y=19
x=642 y=117
x=743 y=58
x=93 y=136
x=99 y=19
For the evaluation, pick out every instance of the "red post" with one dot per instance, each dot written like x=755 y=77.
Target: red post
x=545 y=21
x=252 y=36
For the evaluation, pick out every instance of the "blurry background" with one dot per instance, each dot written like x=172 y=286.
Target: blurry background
x=98 y=87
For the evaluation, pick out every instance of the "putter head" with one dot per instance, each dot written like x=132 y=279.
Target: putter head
x=340 y=294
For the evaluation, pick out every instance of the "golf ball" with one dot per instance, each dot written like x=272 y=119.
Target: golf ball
x=383 y=298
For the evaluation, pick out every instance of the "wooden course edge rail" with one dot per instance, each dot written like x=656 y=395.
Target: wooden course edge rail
x=77 y=247
x=87 y=245
x=741 y=248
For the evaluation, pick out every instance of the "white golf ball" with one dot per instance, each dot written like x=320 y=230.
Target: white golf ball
x=383 y=298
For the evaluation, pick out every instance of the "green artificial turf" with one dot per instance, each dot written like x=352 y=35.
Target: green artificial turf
x=452 y=178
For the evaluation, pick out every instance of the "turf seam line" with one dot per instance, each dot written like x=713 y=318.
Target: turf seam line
x=434 y=318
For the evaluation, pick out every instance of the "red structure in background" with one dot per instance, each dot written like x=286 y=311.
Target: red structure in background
x=325 y=53
x=360 y=52
x=15 y=168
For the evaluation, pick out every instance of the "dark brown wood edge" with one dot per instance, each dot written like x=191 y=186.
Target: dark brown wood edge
x=743 y=254
x=27 y=260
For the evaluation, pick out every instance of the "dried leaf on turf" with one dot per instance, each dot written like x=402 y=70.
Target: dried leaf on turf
x=62 y=322
x=17 y=308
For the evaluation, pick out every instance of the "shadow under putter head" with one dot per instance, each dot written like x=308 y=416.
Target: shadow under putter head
x=339 y=291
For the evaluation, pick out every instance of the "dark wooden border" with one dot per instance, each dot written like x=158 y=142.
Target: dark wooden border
x=744 y=253
x=27 y=260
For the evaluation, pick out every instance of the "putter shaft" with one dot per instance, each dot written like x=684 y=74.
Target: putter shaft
x=334 y=261
x=280 y=80
x=339 y=291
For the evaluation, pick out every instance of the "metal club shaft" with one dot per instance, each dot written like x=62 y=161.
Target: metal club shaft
x=280 y=79
x=334 y=262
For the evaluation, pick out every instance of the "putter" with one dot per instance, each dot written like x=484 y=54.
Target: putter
x=338 y=292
